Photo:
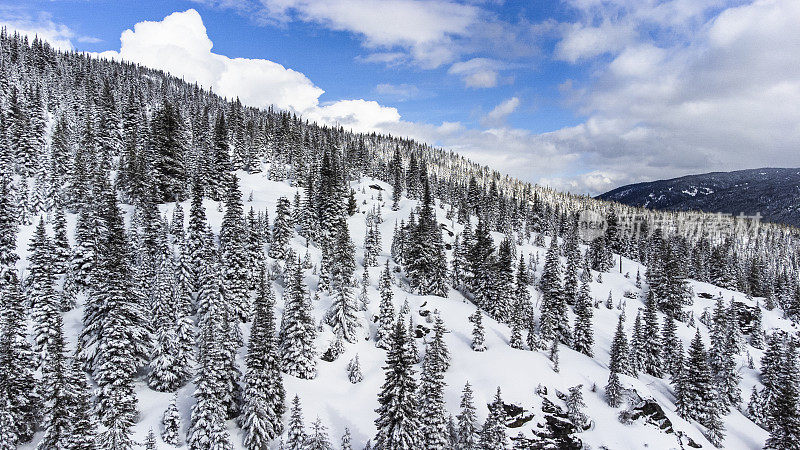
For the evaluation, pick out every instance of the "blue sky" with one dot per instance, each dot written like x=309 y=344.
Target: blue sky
x=582 y=95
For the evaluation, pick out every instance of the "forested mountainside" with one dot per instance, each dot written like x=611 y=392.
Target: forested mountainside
x=772 y=193
x=178 y=270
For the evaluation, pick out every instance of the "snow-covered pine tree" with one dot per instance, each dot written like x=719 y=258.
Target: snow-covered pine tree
x=281 y=229
x=697 y=398
x=171 y=424
x=372 y=244
x=636 y=355
x=468 y=435
x=783 y=414
x=575 y=405
x=61 y=248
x=318 y=437
x=55 y=391
x=493 y=433
x=17 y=362
x=386 y=309
x=264 y=395
x=553 y=319
x=672 y=348
x=651 y=344
x=613 y=390
x=573 y=253
x=432 y=413
x=478 y=334
x=207 y=426
x=116 y=324
x=44 y=304
x=298 y=330
x=343 y=314
x=425 y=262
x=721 y=359
x=398 y=424
x=583 y=335
x=234 y=261
x=165 y=373
x=346 y=440
x=150 y=440
x=195 y=243
x=169 y=147
x=296 y=436
x=618 y=360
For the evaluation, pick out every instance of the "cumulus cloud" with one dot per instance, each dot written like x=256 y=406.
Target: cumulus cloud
x=180 y=45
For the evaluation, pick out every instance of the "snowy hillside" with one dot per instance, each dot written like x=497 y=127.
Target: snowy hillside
x=341 y=404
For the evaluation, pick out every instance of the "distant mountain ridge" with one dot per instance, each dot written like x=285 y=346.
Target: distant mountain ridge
x=772 y=192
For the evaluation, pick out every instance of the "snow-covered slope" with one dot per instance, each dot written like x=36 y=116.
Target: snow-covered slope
x=518 y=373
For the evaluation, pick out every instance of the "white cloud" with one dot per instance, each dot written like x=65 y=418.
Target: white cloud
x=58 y=35
x=581 y=41
x=399 y=92
x=180 y=45
x=477 y=72
x=498 y=114
x=423 y=27
x=692 y=92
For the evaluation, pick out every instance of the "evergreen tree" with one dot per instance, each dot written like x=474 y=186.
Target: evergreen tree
x=721 y=359
x=318 y=438
x=296 y=434
x=697 y=397
x=613 y=390
x=195 y=243
x=478 y=334
x=56 y=392
x=584 y=336
x=493 y=433
x=233 y=252
x=45 y=307
x=281 y=230
x=651 y=340
x=672 y=348
x=398 y=424
x=17 y=363
x=343 y=312
x=425 y=262
x=432 y=412
x=171 y=424
x=207 y=427
x=468 y=435
x=166 y=374
x=150 y=440
x=354 y=371
x=783 y=413
x=83 y=429
x=619 y=362
x=386 y=309
x=346 y=438
x=297 y=328
x=575 y=405
x=554 y=307
x=116 y=325
x=637 y=355
x=168 y=140
x=264 y=395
